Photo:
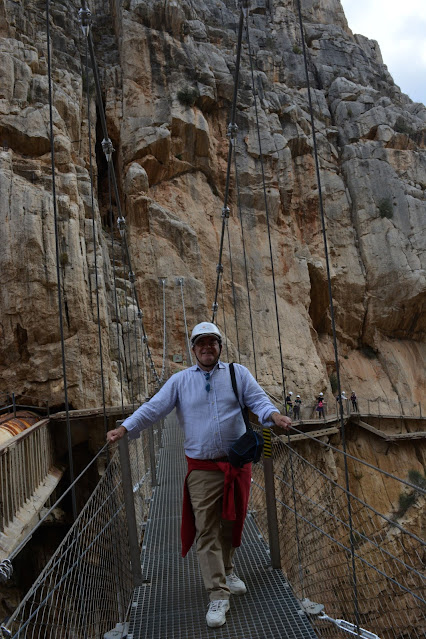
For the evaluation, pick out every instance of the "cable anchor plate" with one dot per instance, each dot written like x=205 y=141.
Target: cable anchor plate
x=6 y=570
x=108 y=149
x=121 y=224
x=350 y=628
x=85 y=20
x=232 y=130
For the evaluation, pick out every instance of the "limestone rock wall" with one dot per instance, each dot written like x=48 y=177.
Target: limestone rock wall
x=30 y=361
x=167 y=74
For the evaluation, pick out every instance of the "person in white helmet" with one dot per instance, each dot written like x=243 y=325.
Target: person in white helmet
x=320 y=405
x=343 y=403
x=211 y=419
x=296 y=408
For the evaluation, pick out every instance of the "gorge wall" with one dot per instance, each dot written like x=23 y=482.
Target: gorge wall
x=167 y=77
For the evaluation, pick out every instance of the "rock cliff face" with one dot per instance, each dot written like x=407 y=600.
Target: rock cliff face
x=167 y=75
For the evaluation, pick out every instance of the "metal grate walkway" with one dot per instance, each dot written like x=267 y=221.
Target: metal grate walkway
x=172 y=604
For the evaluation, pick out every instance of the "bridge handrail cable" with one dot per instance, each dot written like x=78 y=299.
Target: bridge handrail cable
x=388 y=551
x=90 y=572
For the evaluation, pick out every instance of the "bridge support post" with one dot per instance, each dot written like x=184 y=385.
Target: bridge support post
x=152 y=456
x=123 y=447
x=160 y=433
x=271 y=504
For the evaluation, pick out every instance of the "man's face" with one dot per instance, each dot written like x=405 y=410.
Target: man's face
x=207 y=351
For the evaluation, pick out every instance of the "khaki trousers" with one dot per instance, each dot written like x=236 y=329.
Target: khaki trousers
x=213 y=534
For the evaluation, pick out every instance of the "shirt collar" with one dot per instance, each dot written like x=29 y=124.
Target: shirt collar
x=218 y=364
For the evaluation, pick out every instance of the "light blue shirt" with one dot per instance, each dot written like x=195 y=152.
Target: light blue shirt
x=211 y=420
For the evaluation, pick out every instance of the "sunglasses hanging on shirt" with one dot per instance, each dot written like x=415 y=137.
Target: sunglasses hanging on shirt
x=207 y=376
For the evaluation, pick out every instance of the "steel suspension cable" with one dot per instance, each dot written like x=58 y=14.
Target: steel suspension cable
x=240 y=215
x=143 y=347
x=231 y=131
x=69 y=571
x=163 y=368
x=122 y=226
x=92 y=205
x=332 y=317
x=224 y=321
x=129 y=351
x=363 y=536
x=108 y=150
x=391 y=522
x=329 y=446
x=114 y=273
x=138 y=377
x=347 y=549
x=70 y=488
x=268 y=225
x=234 y=299
x=58 y=271
x=188 y=347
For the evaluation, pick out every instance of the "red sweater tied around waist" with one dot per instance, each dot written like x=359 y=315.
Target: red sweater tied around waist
x=236 y=492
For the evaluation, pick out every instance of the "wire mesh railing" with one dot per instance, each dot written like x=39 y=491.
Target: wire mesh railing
x=86 y=588
x=384 y=590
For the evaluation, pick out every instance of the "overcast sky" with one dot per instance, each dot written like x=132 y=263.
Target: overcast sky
x=399 y=26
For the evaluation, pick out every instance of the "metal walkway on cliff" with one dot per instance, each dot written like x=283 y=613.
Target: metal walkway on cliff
x=351 y=567
x=172 y=601
x=340 y=555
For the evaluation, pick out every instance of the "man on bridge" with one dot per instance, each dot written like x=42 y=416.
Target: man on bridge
x=211 y=418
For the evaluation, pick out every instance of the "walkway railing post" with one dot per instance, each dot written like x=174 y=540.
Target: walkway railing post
x=152 y=456
x=271 y=504
x=123 y=447
x=160 y=433
x=14 y=404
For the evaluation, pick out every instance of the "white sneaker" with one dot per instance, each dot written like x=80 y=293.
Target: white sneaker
x=216 y=614
x=235 y=584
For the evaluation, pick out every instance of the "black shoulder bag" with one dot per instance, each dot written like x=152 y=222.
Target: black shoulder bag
x=249 y=447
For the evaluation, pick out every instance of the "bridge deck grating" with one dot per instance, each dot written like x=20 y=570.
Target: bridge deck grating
x=172 y=604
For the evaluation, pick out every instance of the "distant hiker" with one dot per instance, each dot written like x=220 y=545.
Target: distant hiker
x=296 y=408
x=344 y=403
x=289 y=403
x=354 y=402
x=320 y=406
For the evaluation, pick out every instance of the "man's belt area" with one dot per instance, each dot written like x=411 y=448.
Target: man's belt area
x=218 y=459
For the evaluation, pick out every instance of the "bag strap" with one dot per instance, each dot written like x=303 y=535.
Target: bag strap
x=244 y=409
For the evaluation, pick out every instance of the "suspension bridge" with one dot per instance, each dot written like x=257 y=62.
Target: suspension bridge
x=318 y=559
